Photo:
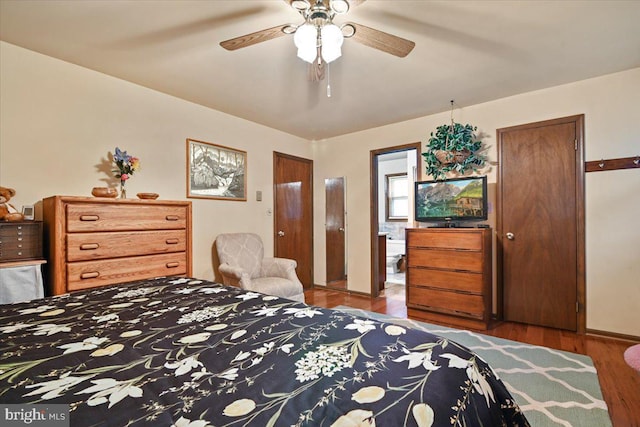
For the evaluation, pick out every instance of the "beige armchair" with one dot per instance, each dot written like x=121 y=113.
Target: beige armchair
x=242 y=264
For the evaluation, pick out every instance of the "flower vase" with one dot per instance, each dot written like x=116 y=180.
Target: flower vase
x=123 y=191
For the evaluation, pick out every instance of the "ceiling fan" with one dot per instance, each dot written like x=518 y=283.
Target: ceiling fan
x=318 y=39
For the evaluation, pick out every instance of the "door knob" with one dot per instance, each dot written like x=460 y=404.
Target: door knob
x=510 y=236
x=280 y=233
x=341 y=229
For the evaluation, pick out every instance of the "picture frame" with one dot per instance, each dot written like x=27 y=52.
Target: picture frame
x=215 y=171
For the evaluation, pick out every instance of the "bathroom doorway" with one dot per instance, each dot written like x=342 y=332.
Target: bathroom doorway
x=393 y=173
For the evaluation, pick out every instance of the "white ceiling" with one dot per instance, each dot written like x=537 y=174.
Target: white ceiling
x=469 y=51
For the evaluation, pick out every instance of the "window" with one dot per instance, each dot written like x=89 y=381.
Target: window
x=397 y=197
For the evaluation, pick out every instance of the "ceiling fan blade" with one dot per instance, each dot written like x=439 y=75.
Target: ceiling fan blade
x=253 y=38
x=382 y=41
x=354 y=3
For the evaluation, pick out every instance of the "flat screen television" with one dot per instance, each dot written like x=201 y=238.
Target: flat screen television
x=450 y=202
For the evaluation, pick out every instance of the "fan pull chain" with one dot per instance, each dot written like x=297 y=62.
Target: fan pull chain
x=328 y=80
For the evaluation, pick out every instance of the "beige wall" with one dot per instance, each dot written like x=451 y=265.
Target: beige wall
x=611 y=105
x=59 y=121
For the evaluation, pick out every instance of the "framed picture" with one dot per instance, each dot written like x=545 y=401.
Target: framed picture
x=215 y=171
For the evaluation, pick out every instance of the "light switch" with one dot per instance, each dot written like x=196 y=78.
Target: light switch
x=258 y=196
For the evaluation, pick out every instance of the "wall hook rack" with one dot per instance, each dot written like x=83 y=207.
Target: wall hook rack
x=612 y=164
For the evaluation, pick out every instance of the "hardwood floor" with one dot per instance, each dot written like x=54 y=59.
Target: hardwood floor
x=620 y=384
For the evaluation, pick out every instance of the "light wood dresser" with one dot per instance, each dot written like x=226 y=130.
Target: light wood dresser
x=449 y=276
x=94 y=242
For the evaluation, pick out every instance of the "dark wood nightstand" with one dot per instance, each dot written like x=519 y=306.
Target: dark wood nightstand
x=21 y=261
x=20 y=241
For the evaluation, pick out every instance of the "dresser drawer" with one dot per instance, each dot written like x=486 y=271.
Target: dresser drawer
x=445 y=279
x=19 y=252
x=447 y=302
x=460 y=240
x=120 y=217
x=11 y=231
x=446 y=259
x=91 y=274
x=90 y=246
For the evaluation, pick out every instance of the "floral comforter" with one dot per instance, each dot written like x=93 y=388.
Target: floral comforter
x=186 y=352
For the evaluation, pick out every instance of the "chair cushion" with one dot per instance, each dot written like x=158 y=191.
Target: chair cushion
x=277 y=286
x=243 y=250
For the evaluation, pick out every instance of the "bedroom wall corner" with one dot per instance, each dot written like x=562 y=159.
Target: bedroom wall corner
x=60 y=121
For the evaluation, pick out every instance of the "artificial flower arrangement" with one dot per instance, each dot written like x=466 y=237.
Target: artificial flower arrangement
x=126 y=166
x=453 y=148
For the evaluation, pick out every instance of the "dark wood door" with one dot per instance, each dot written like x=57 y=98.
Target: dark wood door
x=540 y=222
x=293 y=213
x=335 y=232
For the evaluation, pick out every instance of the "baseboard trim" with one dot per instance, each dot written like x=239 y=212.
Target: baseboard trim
x=344 y=291
x=614 y=335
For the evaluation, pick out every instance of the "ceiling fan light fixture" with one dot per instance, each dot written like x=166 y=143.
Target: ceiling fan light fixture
x=289 y=29
x=300 y=4
x=339 y=6
x=332 y=40
x=306 y=39
x=348 y=30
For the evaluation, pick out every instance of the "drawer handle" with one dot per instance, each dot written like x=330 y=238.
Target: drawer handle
x=89 y=217
x=172 y=264
x=172 y=241
x=172 y=217
x=90 y=275
x=89 y=246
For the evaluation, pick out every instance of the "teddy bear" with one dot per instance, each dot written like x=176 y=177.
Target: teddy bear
x=7 y=211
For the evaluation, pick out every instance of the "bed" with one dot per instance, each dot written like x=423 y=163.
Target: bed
x=188 y=352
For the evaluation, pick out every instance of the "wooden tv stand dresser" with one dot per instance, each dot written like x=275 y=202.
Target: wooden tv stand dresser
x=449 y=276
x=94 y=241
